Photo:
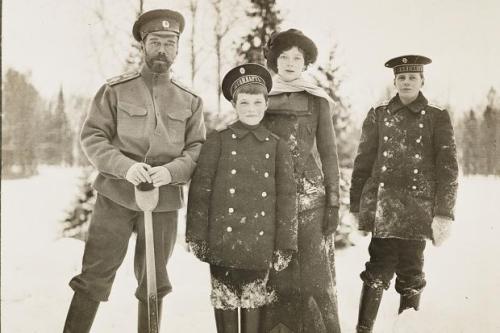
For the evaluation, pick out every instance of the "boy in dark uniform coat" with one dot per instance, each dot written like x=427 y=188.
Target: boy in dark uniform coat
x=142 y=127
x=404 y=186
x=241 y=216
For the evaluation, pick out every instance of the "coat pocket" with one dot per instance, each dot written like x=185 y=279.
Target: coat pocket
x=131 y=120
x=176 y=125
x=132 y=109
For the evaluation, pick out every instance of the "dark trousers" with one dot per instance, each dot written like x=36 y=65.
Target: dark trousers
x=109 y=232
x=401 y=256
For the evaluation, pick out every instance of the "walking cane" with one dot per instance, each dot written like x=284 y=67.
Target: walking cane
x=146 y=197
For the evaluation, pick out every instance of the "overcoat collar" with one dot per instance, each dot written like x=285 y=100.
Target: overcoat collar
x=241 y=130
x=416 y=106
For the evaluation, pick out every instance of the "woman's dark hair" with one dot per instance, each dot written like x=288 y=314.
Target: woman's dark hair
x=284 y=41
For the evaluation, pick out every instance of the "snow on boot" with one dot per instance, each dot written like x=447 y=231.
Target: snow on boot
x=368 y=308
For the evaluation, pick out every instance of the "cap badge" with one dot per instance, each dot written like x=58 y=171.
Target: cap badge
x=165 y=24
x=405 y=60
x=242 y=70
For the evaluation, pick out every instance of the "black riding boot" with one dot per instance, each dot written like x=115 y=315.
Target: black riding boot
x=368 y=308
x=81 y=314
x=226 y=320
x=143 y=317
x=407 y=302
x=250 y=320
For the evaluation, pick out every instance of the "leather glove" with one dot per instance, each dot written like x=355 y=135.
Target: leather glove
x=160 y=175
x=330 y=220
x=281 y=259
x=139 y=173
x=441 y=229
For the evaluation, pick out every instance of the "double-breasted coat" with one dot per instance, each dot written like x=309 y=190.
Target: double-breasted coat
x=242 y=198
x=405 y=171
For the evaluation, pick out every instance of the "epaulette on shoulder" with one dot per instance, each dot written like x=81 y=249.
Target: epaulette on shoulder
x=183 y=87
x=123 y=78
x=436 y=106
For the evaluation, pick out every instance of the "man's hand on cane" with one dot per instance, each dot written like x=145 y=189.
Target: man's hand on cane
x=160 y=175
x=139 y=173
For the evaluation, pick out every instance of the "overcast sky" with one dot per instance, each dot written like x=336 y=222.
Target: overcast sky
x=58 y=42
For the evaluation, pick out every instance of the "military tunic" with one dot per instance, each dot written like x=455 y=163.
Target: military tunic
x=405 y=171
x=143 y=117
x=138 y=117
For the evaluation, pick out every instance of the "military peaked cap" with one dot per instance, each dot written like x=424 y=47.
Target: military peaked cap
x=408 y=64
x=158 y=20
x=245 y=74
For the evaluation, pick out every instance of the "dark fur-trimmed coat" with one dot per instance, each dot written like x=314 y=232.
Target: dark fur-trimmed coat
x=242 y=198
x=406 y=169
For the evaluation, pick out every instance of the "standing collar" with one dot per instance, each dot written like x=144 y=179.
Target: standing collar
x=416 y=106
x=241 y=130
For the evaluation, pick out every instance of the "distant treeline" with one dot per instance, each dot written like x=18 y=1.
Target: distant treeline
x=478 y=139
x=35 y=131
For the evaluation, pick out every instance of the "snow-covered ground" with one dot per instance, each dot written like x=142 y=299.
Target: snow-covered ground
x=463 y=292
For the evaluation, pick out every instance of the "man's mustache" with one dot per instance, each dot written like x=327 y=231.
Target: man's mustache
x=161 y=57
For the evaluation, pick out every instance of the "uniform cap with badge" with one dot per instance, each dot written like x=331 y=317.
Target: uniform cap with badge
x=158 y=20
x=408 y=64
x=245 y=74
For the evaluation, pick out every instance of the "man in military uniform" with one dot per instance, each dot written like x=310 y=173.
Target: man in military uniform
x=404 y=186
x=142 y=127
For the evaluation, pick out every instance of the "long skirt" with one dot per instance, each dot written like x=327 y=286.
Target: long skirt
x=307 y=297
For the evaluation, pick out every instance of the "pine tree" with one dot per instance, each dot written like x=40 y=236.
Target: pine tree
x=56 y=143
x=488 y=139
x=267 y=20
x=469 y=144
x=63 y=135
x=20 y=122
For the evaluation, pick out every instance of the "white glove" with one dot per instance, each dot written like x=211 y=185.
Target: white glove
x=139 y=173
x=160 y=176
x=441 y=229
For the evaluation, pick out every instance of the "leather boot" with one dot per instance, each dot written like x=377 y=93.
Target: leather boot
x=368 y=308
x=226 y=321
x=143 y=316
x=81 y=314
x=407 y=302
x=250 y=320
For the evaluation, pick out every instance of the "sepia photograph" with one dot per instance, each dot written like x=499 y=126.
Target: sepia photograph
x=250 y=166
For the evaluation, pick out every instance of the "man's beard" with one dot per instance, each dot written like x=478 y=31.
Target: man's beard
x=159 y=63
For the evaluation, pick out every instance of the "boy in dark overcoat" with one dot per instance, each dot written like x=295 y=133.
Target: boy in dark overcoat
x=241 y=216
x=404 y=186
